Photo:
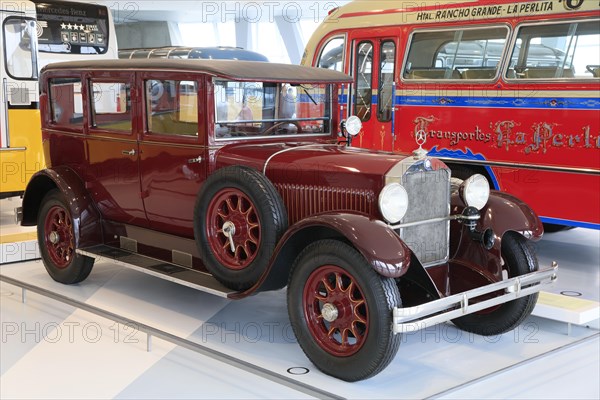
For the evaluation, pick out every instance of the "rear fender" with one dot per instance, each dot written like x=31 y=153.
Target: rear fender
x=385 y=252
x=86 y=218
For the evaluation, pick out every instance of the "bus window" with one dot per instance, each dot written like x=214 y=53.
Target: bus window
x=332 y=56
x=387 y=58
x=19 y=53
x=557 y=51
x=364 y=81
x=65 y=103
x=456 y=54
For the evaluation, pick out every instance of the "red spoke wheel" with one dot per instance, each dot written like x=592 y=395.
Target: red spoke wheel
x=234 y=226
x=238 y=220
x=335 y=311
x=520 y=258
x=59 y=236
x=56 y=238
x=341 y=311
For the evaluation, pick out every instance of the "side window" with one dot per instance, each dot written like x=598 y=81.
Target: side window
x=557 y=51
x=364 y=80
x=456 y=54
x=111 y=106
x=332 y=55
x=387 y=61
x=66 y=109
x=172 y=107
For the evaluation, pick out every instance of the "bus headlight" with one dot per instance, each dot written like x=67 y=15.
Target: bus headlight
x=352 y=125
x=475 y=191
x=393 y=202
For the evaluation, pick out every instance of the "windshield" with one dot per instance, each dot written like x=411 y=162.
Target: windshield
x=251 y=109
x=20 y=44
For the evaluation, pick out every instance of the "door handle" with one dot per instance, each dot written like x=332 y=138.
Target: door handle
x=196 y=160
x=128 y=152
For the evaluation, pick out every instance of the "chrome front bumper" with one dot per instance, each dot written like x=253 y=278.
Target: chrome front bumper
x=419 y=317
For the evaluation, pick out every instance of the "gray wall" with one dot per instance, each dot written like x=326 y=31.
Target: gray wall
x=147 y=34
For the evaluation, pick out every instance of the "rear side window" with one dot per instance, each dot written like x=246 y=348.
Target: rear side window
x=111 y=106
x=557 y=51
x=172 y=107
x=66 y=109
x=472 y=54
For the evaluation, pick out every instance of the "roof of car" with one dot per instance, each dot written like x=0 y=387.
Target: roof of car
x=234 y=69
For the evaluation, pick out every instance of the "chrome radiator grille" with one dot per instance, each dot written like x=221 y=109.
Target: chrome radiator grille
x=428 y=197
x=303 y=201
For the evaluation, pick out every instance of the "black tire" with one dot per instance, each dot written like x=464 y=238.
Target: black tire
x=56 y=239
x=520 y=259
x=256 y=233
x=373 y=345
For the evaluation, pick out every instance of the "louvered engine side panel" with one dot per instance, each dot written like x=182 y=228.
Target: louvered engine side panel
x=303 y=201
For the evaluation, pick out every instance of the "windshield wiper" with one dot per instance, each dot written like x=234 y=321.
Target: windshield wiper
x=308 y=94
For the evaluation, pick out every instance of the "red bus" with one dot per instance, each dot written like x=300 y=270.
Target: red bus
x=510 y=90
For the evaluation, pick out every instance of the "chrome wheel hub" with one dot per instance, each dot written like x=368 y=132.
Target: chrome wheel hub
x=54 y=237
x=329 y=312
x=229 y=231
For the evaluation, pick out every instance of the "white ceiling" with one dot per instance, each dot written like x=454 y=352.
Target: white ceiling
x=214 y=11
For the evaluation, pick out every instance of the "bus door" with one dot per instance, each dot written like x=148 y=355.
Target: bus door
x=19 y=114
x=373 y=97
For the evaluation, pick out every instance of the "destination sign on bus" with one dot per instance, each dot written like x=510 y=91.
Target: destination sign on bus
x=499 y=10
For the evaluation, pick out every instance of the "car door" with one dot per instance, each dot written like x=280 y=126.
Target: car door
x=373 y=94
x=172 y=150
x=113 y=151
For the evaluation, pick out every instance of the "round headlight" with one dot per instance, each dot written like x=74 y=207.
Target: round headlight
x=393 y=202
x=475 y=191
x=353 y=125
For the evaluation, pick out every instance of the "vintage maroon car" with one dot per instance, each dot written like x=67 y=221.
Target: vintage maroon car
x=226 y=176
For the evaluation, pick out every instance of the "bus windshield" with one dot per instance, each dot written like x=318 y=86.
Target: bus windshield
x=19 y=48
x=73 y=28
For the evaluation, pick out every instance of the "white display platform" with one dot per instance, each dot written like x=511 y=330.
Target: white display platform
x=17 y=243
x=51 y=350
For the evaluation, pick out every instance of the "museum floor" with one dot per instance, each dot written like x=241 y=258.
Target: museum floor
x=53 y=350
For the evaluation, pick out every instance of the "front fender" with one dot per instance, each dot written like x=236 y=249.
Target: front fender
x=382 y=248
x=86 y=218
x=502 y=213
x=505 y=212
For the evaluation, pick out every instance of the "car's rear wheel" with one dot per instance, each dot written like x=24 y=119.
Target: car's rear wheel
x=238 y=220
x=519 y=258
x=341 y=311
x=56 y=239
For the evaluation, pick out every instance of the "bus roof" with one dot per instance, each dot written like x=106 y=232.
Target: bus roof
x=369 y=14
x=385 y=12
x=233 y=69
x=183 y=52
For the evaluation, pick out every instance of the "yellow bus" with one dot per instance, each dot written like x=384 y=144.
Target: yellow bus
x=20 y=134
x=34 y=34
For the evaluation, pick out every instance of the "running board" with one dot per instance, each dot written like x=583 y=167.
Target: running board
x=184 y=276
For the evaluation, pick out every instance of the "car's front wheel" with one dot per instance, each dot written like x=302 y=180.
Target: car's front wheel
x=519 y=259
x=56 y=238
x=341 y=311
